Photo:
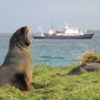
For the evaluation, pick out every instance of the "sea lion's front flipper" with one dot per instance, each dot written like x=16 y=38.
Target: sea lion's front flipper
x=26 y=79
x=21 y=81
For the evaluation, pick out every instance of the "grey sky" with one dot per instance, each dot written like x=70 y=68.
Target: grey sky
x=34 y=13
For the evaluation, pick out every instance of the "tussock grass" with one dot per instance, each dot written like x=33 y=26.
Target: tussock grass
x=90 y=57
x=47 y=85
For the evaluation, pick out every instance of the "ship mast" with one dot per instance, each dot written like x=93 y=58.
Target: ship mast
x=52 y=26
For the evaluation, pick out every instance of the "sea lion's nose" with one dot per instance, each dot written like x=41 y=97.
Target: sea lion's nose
x=26 y=27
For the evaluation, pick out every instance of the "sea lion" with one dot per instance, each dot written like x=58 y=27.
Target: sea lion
x=89 y=67
x=16 y=69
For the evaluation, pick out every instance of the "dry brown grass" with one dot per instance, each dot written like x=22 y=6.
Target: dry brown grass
x=90 y=57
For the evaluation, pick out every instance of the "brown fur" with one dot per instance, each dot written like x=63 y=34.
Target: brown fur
x=17 y=67
x=89 y=67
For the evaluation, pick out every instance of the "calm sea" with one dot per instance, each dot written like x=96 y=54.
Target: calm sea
x=54 y=52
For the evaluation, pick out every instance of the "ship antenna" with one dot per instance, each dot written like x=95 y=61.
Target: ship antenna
x=52 y=26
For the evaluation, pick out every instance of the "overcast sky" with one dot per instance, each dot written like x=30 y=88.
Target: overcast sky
x=34 y=13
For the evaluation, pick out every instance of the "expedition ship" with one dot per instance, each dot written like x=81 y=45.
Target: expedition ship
x=65 y=33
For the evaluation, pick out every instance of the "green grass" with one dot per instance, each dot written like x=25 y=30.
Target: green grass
x=48 y=85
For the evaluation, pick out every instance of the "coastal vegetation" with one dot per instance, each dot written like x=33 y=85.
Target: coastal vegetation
x=90 y=57
x=48 y=83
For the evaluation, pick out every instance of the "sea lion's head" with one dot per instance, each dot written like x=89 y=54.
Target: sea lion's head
x=20 y=37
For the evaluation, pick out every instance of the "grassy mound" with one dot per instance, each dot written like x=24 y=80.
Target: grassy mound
x=90 y=57
x=47 y=85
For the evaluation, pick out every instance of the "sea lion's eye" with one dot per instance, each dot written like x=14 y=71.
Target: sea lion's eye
x=22 y=31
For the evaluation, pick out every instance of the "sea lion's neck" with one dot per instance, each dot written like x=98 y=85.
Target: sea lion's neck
x=22 y=47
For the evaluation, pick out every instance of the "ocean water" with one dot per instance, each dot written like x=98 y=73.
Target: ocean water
x=54 y=52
